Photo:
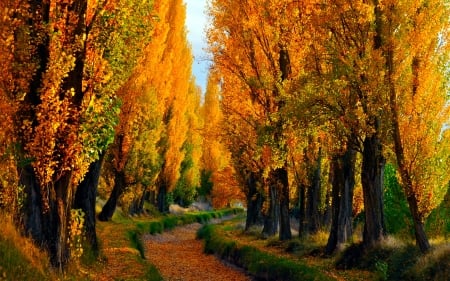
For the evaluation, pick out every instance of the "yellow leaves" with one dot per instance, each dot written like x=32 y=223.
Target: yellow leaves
x=366 y=11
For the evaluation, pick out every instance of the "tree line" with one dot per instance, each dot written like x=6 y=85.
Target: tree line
x=325 y=93
x=302 y=98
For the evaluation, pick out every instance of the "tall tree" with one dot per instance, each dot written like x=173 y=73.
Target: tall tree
x=255 y=42
x=177 y=89
x=348 y=62
x=186 y=187
x=60 y=69
x=418 y=97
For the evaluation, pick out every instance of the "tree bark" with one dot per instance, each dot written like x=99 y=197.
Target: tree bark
x=162 y=198
x=312 y=210
x=343 y=181
x=48 y=226
x=254 y=203
x=271 y=218
x=137 y=205
x=118 y=189
x=64 y=194
x=372 y=174
x=85 y=199
x=282 y=180
x=302 y=224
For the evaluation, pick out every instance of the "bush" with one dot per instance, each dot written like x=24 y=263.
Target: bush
x=170 y=222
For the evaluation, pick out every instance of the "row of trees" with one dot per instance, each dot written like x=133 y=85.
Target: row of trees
x=97 y=91
x=309 y=87
x=299 y=90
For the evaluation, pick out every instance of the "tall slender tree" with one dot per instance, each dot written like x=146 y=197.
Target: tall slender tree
x=418 y=98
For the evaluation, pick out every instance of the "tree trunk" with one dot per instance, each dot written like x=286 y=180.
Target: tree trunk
x=407 y=182
x=372 y=183
x=254 y=203
x=34 y=219
x=312 y=211
x=282 y=180
x=63 y=204
x=118 y=189
x=137 y=205
x=48 y=226
x=271 y=219
x=162 y=198
x=302 y=224
x=327 y=212
x=343 y=181
x=85 y=199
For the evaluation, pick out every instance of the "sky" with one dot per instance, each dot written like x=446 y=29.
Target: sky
x=195 y=23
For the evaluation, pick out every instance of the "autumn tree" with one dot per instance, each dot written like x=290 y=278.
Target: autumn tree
x=119 y=24
x=351 y=92
x=216 y=158
x=172 y=87
x=60 y=69
x=255 y=41
x=418 y=98
x=186 y=187
x=8 y=172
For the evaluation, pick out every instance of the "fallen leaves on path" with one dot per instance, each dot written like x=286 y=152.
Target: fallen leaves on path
x=120 y=261
x=179 y=256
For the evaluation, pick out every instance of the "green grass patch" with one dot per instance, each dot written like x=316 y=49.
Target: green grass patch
x=152 y=274
x=262 y=265
x=136 y=242
x=170 y=222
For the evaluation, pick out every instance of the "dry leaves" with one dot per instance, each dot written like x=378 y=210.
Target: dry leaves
x=179 y=256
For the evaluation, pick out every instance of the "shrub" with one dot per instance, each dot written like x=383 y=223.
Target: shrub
x=156 y=227
x=170 y=222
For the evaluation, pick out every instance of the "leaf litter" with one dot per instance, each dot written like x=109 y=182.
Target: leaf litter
x=179 y=256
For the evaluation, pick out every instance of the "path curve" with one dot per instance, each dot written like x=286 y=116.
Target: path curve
x=178 y=255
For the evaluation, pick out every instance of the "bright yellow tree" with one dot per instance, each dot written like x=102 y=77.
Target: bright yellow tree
x=418 y=91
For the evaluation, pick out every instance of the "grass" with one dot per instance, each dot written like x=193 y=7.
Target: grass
x=20 y=259
x=261 y=264
x=393 y=259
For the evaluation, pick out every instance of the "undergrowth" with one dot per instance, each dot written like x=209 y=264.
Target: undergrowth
x=395 y=260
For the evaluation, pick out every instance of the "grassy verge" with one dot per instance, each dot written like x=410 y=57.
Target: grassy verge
x=262 y=265
x=20 y=259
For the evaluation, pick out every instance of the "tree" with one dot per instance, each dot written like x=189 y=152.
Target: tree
x=186 y=187
x=174 y=93
x=254 y=42
x=57 y=76
x=216 y=158
x=418 y=98
x=351 y=92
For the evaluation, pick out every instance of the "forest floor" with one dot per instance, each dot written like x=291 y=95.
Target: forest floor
x=178 y=255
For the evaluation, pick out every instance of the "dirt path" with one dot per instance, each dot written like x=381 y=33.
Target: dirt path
x=179 y=256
